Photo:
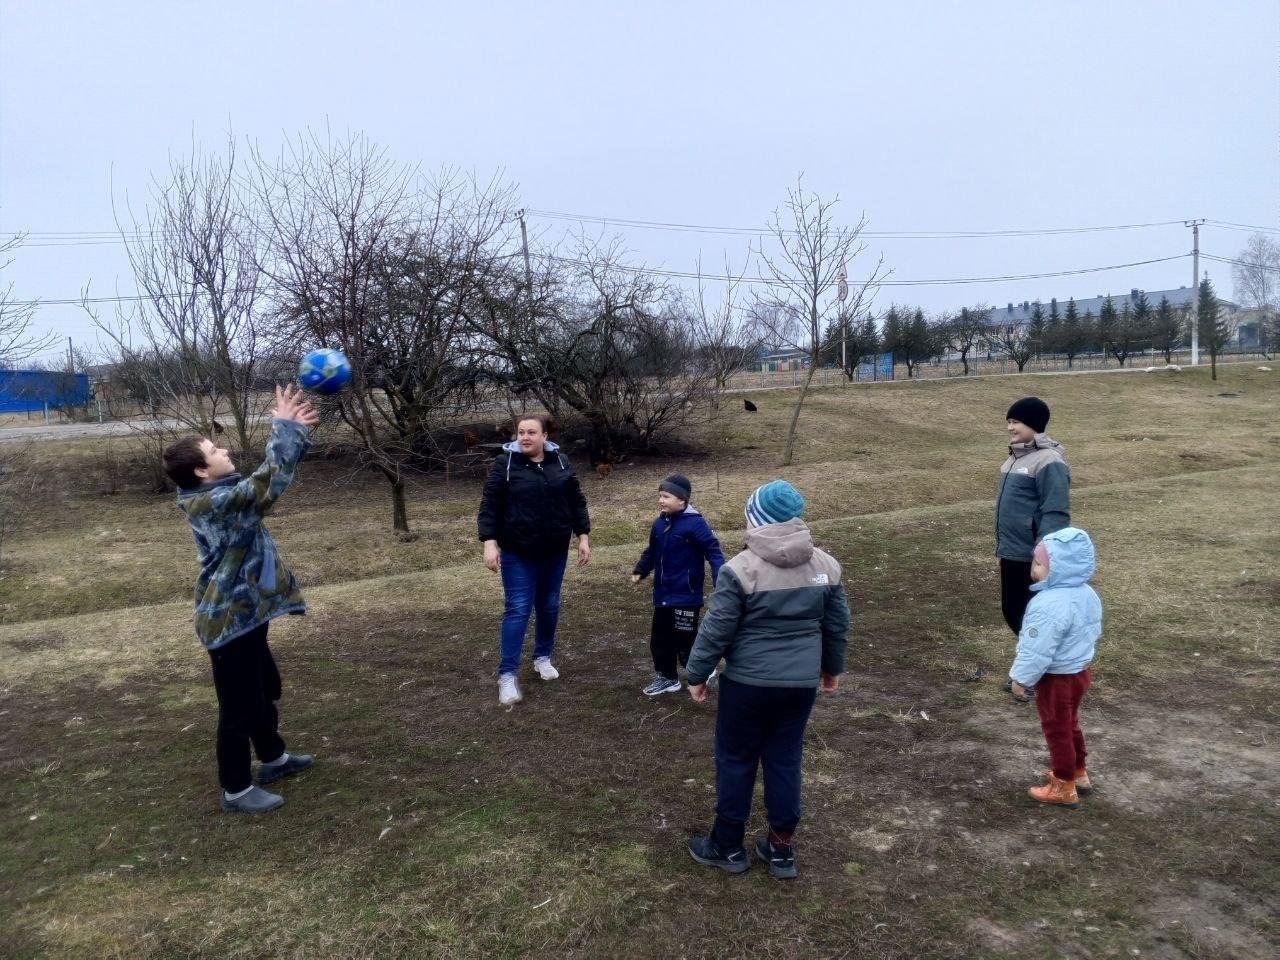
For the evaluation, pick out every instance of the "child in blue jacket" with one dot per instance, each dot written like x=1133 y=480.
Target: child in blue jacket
x=1055 y=647
x=680 y=543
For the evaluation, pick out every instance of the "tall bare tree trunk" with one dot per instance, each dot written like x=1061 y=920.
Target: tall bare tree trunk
x=399 y=511
x=789 y=447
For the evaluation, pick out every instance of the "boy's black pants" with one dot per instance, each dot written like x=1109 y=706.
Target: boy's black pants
x=1015 y=591
x=671 y=638
x=248 y=686
x=758 y=726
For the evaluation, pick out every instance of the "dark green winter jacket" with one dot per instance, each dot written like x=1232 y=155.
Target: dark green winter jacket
x=778 y=615
x=1033 y=497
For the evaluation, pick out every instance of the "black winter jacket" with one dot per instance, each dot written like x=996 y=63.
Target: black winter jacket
x=532 y=509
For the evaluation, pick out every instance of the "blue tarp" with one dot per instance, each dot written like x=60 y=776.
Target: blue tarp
x=23 y=390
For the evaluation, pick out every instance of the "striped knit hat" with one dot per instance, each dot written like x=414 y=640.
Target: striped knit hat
x=775 y=502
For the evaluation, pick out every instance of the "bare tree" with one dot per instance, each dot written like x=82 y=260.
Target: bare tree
x=1256 y=276
x=967 y=331
x=370 y=258
x=724 y=342
x=18 y=342
x=602 y=340
x=1014 y=341
x=801 y=272
x=193 y=342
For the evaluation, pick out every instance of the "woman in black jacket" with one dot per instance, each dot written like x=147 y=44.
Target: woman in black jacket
x=531 y=507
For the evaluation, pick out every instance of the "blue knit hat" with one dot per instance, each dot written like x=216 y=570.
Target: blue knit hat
x=775 y=502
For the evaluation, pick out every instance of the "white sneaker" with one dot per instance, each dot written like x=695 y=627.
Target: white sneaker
x=508 y=689
x=545 y=670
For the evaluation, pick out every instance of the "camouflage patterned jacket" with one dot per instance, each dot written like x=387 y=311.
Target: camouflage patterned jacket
x=243 y=583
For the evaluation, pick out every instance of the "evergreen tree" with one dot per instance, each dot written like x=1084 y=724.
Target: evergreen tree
x=1090 y=337
x=1108 y=320
x=1214 y=328
x=1167 y=327
x=1036 y=328
x=1142 y=320
x=918 y=345
x=1071 y=339
x=891 y=335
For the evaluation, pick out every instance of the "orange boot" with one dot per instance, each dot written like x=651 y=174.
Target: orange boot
x=1084 y=786
x=1061 y=793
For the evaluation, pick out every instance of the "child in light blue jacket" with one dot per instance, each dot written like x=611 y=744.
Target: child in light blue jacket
x=1055 y=647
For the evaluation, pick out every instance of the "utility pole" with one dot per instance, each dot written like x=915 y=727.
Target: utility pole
x=528 y=270
x=71 y=358
x=1195 y=288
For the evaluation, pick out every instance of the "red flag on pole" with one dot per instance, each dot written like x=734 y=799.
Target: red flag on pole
x=842 y=282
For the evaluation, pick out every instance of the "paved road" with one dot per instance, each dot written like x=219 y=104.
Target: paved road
x=81 y=431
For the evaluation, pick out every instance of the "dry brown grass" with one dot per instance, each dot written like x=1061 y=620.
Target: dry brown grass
x=556 y=829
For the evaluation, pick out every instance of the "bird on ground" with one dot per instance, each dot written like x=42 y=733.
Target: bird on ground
x=749 y=406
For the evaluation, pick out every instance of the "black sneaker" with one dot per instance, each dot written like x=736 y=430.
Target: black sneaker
x=702 y=849
x=781 y=860
x=271 y=772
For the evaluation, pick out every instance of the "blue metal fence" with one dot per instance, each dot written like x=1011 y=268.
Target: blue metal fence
x=31 y=390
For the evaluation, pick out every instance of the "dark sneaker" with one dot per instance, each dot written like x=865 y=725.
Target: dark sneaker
x=702 y=849
x=660 y=684
x=781 y=860
x=256 y=800
x=271 y=772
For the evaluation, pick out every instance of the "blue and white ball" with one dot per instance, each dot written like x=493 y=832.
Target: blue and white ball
x=324 y=371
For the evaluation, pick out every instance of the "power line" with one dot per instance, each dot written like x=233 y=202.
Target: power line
x=899 y=234
x=1252 y=264
x=1243 y=226
x=688 y=275
x=45 y=238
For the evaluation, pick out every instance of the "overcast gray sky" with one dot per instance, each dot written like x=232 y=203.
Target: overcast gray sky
x=925 y=115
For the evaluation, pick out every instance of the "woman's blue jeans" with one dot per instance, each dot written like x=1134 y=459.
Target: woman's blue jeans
x=531 y=585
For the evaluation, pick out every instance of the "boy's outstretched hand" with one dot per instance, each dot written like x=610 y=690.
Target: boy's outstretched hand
x=292 y=404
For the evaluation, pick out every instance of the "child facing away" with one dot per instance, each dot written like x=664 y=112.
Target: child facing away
x=1056 y=646
x=681 y=543
x=1032 y=500
x=241 y=586
x=779 y=618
